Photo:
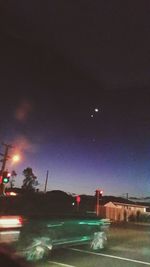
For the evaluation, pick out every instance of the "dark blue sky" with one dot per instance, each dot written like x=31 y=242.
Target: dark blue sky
x=60 y=61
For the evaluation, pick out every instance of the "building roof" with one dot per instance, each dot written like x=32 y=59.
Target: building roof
x=126 y=204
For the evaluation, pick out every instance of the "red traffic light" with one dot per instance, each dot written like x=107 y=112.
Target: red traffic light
x=78 y=199
x=99 y=192
x=8 y=174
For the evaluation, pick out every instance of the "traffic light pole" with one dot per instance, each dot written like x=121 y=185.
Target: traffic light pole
x=97 y=202
x=4 y=160
x=78 y=199
x=99 y=194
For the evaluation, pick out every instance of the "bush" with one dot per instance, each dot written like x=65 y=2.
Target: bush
x=132 y=218
x=142 y=217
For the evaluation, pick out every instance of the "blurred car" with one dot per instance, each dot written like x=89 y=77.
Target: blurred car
x=35 y=231
x=41 y=234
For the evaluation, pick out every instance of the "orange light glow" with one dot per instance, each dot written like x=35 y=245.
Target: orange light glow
x=11 y=194
x=16 y=158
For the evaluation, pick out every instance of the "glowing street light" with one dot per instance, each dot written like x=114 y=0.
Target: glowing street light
x=16 y=158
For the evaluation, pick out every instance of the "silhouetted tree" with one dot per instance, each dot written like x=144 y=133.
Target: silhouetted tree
x=30 y=181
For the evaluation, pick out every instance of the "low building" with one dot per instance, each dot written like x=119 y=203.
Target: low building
x=117 y=211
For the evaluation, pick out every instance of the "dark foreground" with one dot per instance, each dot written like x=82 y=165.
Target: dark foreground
x=128 y=246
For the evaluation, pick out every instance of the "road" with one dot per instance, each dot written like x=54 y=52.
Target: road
x=129 y=246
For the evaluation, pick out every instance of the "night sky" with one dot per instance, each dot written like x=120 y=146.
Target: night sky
x=75 y=98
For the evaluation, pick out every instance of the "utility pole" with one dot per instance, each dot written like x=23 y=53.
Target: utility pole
x=46 y=181
x=5 y=156
x=4 y=160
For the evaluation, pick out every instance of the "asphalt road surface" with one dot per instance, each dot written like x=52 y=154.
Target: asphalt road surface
x=128 y=246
